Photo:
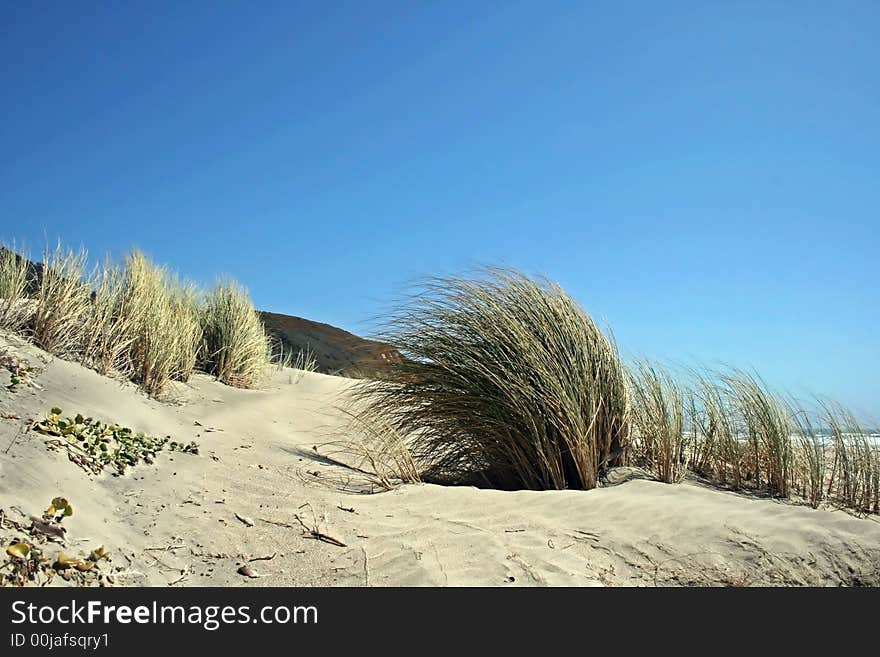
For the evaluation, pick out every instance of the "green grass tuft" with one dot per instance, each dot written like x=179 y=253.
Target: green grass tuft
x=506 y=380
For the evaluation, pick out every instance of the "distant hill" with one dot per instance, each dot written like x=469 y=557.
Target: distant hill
x=336 y=351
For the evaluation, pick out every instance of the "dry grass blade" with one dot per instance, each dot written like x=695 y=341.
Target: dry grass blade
x=315 y=531
x=374 y=449
x=305 y=361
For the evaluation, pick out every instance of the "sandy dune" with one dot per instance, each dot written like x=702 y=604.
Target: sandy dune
x=175 y=521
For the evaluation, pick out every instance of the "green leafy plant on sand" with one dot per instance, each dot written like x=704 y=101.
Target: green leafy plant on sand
x=94 y=445
x=26 y=558
x=505 y=380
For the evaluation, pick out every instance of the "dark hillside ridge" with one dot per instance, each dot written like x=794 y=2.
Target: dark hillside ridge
x=336 y=351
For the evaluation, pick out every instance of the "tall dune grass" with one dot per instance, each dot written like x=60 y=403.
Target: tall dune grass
x=809 y=471
x=715 y=448
x=728 y=451
x=109 y=330
x=135 y=320
x=14 y=309
x=163 y=315
x=855 y=472
x=186 y=302
x=505 y=380
x=658 y=420
x=62 y=302
x=767 y=430
x=237 y=349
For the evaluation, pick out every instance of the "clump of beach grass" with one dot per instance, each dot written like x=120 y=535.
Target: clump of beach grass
x=62 y=302
x=136 y=320
x=766 y=427
x=163 y=315
x=505 y=380
x=185 y=299
x=304 y=361
x=109 y=330
x=658 y=421
x=717 y=449
x=810 y=471
x=14 y=308
x=854 y=479
x=237 y=349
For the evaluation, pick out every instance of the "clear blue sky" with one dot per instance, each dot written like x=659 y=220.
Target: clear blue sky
x=703 y=175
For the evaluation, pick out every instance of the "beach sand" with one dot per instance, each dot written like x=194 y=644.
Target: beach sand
x=179 y=520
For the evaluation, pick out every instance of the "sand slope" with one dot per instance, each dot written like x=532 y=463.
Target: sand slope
x=175 y=521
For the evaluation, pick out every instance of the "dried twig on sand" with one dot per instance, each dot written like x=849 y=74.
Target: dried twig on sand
x=245 y=520
x=278 y=523
x=315 y=532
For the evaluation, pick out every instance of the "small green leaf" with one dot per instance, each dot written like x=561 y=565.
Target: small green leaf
x=19 y=550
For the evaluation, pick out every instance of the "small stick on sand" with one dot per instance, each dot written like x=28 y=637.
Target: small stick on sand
x=366 y=567
x=161 y=564
x=166 y=548
x=18 y=434
x=278 y=522
x=179 y=579
x=315 y=532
